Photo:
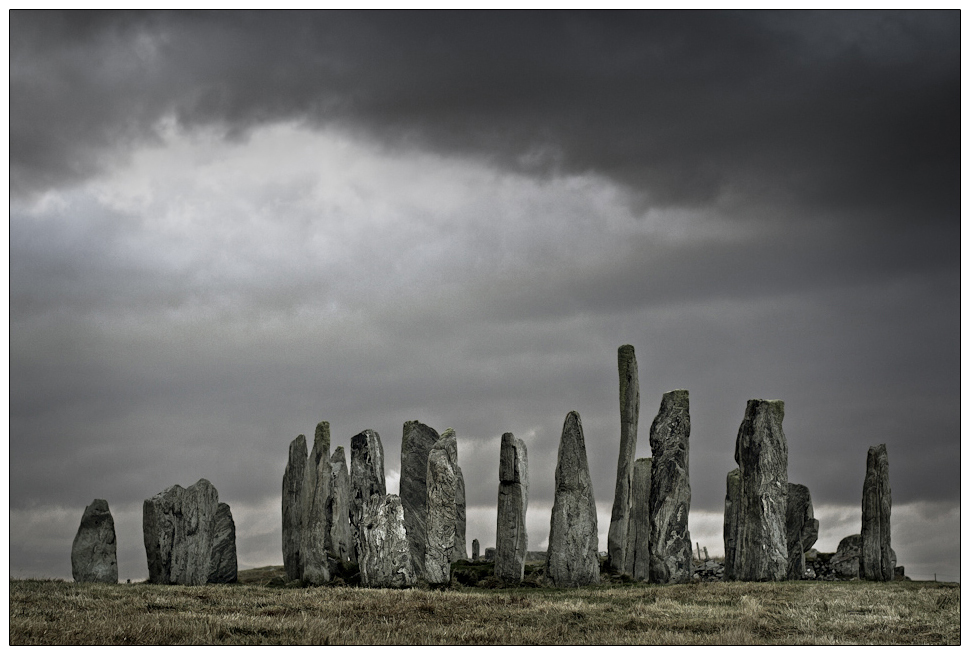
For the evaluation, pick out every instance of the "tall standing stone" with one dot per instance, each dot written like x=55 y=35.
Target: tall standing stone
x=877 y=559
x=475 y=550
x=617 y=540
x=366 y=476
x=460 y=550
x=511 y=539
x=638 y=534
x=761 y=549
x=416 y=445
x=442 y=480
x=177 y=526
x=670 y=545
x=731 y=522
x=223 y=568
x=572 y=559
x=315 y=532
x=801 y=528
x=94 y=553
x=385 y=554
x=341 y=540
x=293 y=507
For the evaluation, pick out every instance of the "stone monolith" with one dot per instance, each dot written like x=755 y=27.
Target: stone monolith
x=315 y=533
x=177 y=526
x=293 y=507
x=511 y=539
x=223 y=568
x=845 y=561
x=385 y=554
x=761 y=547
x=670 y=545
x=638 y=532
x=877 y=559
x=366 y=475
x=801 y=528
x=460 y=550
x=442 y=480
x=341 y=540
x=572 y=559
x=731 y=522
x=416 y=445
x=475 y=550
x=94 y=553
x=617 y=540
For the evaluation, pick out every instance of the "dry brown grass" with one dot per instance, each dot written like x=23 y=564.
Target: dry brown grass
x=259 y=611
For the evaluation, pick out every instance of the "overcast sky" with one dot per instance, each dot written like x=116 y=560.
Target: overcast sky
x=226 y=227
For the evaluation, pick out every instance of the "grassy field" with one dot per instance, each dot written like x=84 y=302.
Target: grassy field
x=260 y=610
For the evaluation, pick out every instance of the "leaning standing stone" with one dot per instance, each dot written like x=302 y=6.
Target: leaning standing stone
x=385 y=556
x=638 y=534
x=670 y=545
x=315 y=533
x=293 y=507
x=223 y=567
x=801 y=528
x=366 y=475
x=511 y=539
x=617 y=541
x=877 y=559
x=94 y=554
x=572 y=559
x=416 y=445
x=731 y=522
x=761 y=550
x=339 y=507
x=177 y=526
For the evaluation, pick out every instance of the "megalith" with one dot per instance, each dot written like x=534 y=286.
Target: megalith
x=845 y=561
x=178 y=530
x=761 y=547
x=385 y=554
x=475 y=550
x=511 y=539
x=442 y=479
x=94 y=553
x=572 y=559
x=670 y=545
x=341 y=538
x=293 y=506
x=617 y=540
x=416 y=445
x=731 y=522
x=366 y=475
x=223 y=568
x=877 y=559
x=315 y=533
x=460 y=551
x=801 y=528
x=638 y=532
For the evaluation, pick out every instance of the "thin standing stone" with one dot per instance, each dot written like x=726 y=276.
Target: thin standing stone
x=877 y=560
x=511 y=538
x=293 y=507
x=339 y=508
x=670 y=544
x=315 y=533
x=416 y=445
x=366 y=476
x=442 y=479
x=731 y=499
x=617 y=541
x=801 y=528
x=475 y=550
x=638 y=534
x=223 y=568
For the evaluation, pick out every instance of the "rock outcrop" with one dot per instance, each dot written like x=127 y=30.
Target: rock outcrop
x=293 y=507
x=178 y=526
x=416 y=445
x=761 y=451
x=366 y=476
x=94 y=553
x=670 y=545
x=442 y=480
x=511 y=539
x=638 y=532
x=731 y=522
x=572 y=559
x=385 y=554
x=617 y=540
x=339 y=507
x=801 y=528
x=315 y=533
x=877 y=560
x=223 y=568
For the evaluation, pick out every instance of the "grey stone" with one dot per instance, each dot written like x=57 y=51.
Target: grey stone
x=572 y=559
x=638 y=532
x=94 y=553
x=801 y=528
x=293 y=507
x=731 y=522
x=475 y=550
x=366 y=476
x=416 y=445
x=845 y=562
x=761 y=551
x=385 y=555
x=877 y=560
x=617 y=539
x=315 y=533
x=177 y=525
x=341 y=541
x=670 y=545
x=489 y=554
x=511 y=538
x=442 y=480
x=223 y=568
x=460 y=550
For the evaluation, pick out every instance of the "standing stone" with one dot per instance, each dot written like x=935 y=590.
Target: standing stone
x=572 y=559
x=617 y=540
x=670 y=545
x=315 y=533
x=845 y=561
x=877 y=559
x=222 y=561
x=385 y=554
x=94 y=554
x=638 y=534
x=293 y=507
x=460 y=550
x=416 y=445
x=177 y=526
x=511 y=539
x=366 y=476
x=731 y=522
x=761 y=549
x=801 y=528
x=475 y=550
x=442 y=479
x=341 y=541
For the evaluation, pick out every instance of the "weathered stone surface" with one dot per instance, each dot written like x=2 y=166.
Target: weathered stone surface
x=511 y=538
x=177 y=526
x=475 y=550
x=293 y=507
x=442 y=480
x=845 y=562
x=731 y=522
x=670 y=545
x=385 y=554
x=416 y=445
x=489 y=554
x=761 y=451
x=460 y=550
x=617 y=539
x=877 y=561
x=572 y=559
x=223 y=568
x=801 y=528
x=315 y=533
x=339 y=507
x=94 y=553
x=638 y=533
x=366 y=476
